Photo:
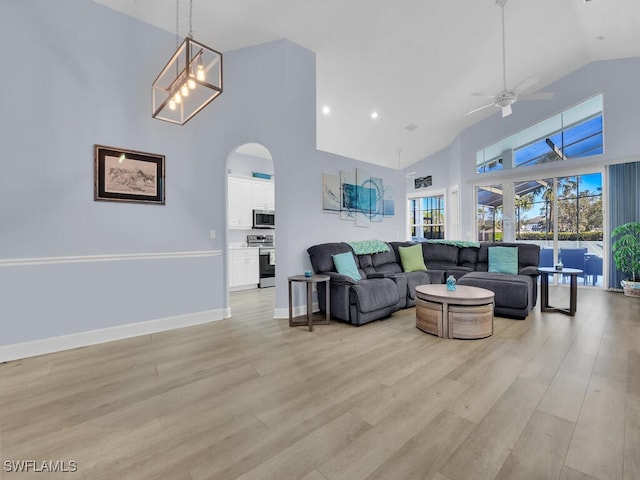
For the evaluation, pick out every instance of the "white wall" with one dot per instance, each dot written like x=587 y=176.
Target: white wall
x=83 y=75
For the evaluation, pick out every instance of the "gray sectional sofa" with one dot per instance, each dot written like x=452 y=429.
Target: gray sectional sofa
x=386 y=288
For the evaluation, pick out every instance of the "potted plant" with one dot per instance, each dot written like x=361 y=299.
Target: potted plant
x=626 y=255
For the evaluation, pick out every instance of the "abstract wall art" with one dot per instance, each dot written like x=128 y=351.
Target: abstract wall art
x=357 y=196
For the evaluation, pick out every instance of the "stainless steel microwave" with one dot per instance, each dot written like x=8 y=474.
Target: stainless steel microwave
x=264 y=219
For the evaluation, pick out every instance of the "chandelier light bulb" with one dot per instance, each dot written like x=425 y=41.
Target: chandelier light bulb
x=172 y=105
x=191 y=83
x=177 y=98
x=184 y=90
x=200 y=75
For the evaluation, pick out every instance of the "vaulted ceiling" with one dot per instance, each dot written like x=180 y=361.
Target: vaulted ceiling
x=414 y=62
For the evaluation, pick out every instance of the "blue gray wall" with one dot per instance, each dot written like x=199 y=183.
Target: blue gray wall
x=615 y=79
x=82 y=76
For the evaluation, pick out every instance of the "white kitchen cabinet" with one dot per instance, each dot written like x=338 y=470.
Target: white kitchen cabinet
x=240 y=203
x=263 y=195
x=244 y=267
x=245 y=195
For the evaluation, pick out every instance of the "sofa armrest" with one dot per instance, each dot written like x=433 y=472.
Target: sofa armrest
x=381 y=275
x=339 y=278
x=531 y=271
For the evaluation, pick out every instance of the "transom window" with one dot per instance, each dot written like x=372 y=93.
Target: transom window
x=572 y=134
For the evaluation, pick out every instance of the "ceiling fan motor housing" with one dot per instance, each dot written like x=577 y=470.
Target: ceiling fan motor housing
x=505 y=99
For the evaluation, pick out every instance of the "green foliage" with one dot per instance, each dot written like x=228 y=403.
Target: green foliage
x=626 y=249
x=592 y=236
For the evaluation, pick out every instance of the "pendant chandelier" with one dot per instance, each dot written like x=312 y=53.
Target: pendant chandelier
x=190 y=80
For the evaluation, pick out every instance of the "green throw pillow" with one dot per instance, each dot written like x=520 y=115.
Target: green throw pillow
x=503 y=260
x=346 y=265
x=411 y=258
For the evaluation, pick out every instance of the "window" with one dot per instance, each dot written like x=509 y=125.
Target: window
x=426 y=217
x=575 y=133
x=489 y=213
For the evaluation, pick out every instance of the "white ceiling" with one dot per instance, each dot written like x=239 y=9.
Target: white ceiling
x=413 y=61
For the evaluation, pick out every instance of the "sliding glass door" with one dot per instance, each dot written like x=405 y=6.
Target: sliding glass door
x=564 y=215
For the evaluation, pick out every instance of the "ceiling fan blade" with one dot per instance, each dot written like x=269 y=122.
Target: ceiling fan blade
x=537 y=96
x=479 y=108
x=485 y=95
x=506 y=111
x=525 y=84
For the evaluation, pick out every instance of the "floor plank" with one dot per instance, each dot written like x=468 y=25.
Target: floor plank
x=540 y=451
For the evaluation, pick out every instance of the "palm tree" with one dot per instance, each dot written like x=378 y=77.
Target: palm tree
x=524 y=202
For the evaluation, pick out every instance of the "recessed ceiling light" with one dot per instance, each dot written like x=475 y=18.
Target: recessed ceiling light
x=326 y=110
x=374 y=115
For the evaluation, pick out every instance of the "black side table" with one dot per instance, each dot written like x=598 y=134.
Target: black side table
x=544 y=289
x=310 y=281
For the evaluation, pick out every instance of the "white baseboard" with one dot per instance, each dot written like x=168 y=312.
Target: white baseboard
x=83 y=339
x=298 y=311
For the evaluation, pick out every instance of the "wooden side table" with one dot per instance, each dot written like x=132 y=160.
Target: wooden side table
x=544 y=289
x=310 y=281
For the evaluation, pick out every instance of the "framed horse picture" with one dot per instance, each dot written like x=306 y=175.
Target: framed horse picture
x=128 y=176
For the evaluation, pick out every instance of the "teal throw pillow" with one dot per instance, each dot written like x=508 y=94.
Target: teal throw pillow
x=411 y=258
x=346 y=265
x=503 y=260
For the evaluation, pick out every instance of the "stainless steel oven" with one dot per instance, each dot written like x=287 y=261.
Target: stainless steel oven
x=264 y=219
x=267 y=258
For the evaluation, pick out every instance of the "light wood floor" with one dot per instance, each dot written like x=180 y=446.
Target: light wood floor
x=250 y=398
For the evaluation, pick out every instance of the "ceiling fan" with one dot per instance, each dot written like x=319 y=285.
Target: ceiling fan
x=507 y=97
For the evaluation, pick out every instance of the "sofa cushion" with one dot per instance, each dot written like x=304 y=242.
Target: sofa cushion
x=386 y=262
x=468 y=257
x=374 y=294
x=321 y=255
x=503 y=260
x=415 y=279
x=511 y=291
x=528 y=254
x=411 y=258
x=346 y=265
x=439 y=256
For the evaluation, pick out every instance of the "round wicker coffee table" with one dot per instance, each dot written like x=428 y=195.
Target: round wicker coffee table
x=466 y=312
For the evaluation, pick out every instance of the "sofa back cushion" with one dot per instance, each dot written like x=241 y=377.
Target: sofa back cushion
x=468 y=257
x=438 y=256
x=386 y=262
x=528 y=255
x=321 y=255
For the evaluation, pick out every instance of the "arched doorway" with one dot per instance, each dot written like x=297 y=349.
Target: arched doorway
x=251 y=230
